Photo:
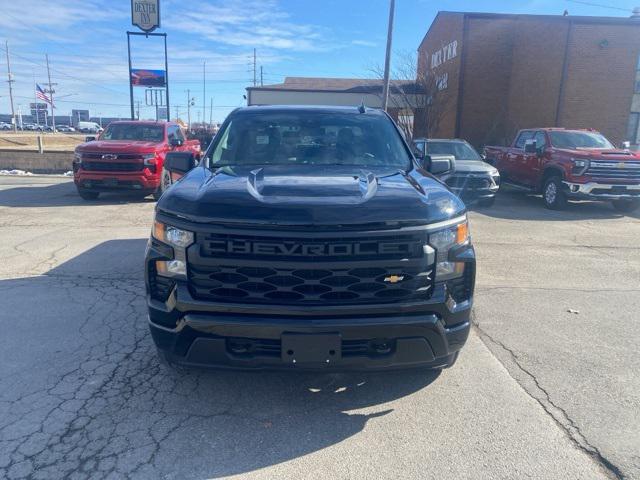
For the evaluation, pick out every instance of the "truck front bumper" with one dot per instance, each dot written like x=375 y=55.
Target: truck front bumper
x=602 y=191
x=117 y=181
x=425 y=335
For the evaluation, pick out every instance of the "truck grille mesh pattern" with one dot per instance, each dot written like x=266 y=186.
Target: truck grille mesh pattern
x=614 y=170
x=331 y=279
x=111 y=166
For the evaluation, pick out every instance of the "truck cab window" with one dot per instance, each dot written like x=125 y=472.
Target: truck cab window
x=522 y=138
x=541 y=141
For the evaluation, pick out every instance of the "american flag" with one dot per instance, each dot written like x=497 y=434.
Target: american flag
x=42 y=95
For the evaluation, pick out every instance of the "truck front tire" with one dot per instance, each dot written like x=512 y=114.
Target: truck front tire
x=626 y=206
x=165 y=182
x=553 y=194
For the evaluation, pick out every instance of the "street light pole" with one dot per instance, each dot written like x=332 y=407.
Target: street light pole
x=387 y=58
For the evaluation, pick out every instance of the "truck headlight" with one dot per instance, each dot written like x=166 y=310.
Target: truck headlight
x=172 y=235
x=443 y=241
x=580 y=166
x=179 y=239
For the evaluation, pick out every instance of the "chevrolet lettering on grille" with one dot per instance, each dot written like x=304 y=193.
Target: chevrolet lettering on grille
x=311 y=249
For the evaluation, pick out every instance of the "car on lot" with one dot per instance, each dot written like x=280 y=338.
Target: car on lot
x=89 y=127
x=5 y=126
x=475 y=181
x=309 y=237
x=129 y=156
x=65 y=128
x=565 y=164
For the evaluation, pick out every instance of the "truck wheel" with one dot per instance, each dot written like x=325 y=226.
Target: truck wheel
x=626 y=206
x=88 y=194
x=553 y=195
x=165 y=182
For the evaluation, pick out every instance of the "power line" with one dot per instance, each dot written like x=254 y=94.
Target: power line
x=600 y=5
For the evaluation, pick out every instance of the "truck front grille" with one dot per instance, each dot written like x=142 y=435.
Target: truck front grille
x=471 y=183
x=614 y=170
x=309 y=271
x=95 y=166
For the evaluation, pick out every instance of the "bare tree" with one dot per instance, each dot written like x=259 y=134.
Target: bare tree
x=419 y=103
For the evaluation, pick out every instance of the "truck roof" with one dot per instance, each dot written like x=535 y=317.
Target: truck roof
x=142 y=122
x=551 y=129
x=308 y=109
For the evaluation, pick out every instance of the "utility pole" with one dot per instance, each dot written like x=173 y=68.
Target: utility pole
x=261 y=82
x=138 y=109
x=189 y=108
x=211 y=113
x=255 y=81
x=10 y=81
x=51 y=91
x=387 y=58
x=204 y=92
x=177 y=112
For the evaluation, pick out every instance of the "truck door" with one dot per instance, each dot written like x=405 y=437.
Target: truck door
x=532 y=164
x=516 y=157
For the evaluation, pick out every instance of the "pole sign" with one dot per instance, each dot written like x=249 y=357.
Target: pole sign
x=145 y=14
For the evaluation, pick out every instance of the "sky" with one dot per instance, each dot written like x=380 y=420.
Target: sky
x=87 y=45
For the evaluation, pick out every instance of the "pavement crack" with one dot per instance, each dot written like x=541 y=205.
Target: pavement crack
x=536 y=391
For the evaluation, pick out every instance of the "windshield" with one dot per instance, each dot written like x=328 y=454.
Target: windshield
x=460 y=150
x=310 y=138
x=131 y=131
x=574 y=140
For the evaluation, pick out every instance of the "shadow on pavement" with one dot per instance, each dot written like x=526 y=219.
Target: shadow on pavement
x=62 y=194
x=515 y=205
x=88 y=334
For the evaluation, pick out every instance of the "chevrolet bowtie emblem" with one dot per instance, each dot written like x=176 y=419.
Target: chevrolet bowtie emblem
x=394 y=278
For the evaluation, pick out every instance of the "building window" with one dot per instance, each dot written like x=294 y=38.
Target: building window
x=632 y=129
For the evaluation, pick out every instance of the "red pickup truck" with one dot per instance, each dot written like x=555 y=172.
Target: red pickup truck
x=129 y=155
x=567 y=164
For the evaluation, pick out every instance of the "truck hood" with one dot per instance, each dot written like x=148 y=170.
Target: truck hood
x=468 y=166
x=598 y=154
x=306 y=195
x=130 y=146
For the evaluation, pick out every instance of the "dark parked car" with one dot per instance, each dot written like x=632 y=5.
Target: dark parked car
x=474 y=180
x=309 y=237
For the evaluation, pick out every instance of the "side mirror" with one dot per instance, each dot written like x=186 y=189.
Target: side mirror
x=179 y=162
x=90 y=138
x=419 y=154
x=530 y=146
x=626 y=145
x=175 y=142
x=440 y=165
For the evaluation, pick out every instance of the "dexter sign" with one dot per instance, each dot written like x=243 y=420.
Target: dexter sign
x=145 y=14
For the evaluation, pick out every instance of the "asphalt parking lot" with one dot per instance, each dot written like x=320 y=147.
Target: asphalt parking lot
x=548 y=385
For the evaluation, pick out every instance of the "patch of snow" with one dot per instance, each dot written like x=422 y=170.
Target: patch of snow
x=14 y=172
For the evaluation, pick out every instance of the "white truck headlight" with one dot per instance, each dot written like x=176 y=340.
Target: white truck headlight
x=443 y=241
x=179 y=239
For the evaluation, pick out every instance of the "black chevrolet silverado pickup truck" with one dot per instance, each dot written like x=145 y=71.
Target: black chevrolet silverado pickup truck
x=309 y=237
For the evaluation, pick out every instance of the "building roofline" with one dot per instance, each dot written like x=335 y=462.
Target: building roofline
x=529 y=16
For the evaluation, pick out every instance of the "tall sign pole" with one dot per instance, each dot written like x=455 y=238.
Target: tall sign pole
x=10 y=80
x=387 y=58
x=145 y=14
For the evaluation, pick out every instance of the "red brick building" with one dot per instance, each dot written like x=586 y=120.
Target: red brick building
x=497 y=73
